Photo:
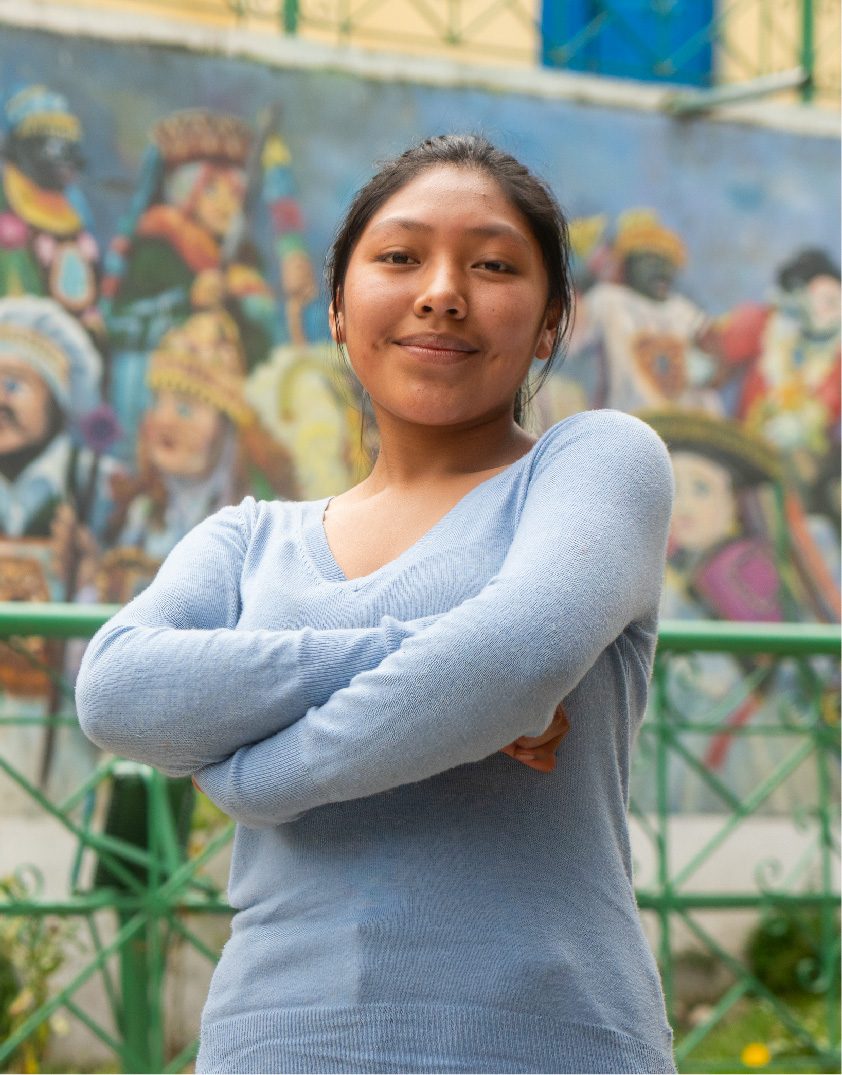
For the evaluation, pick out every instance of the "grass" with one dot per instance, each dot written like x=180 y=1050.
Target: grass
x=754 y=1021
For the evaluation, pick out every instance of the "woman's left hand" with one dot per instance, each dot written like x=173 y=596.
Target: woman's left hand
x=538 y=751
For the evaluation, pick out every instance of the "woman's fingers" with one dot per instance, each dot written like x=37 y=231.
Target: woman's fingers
x=538 y=751
x=557 y=729
x=542 y=762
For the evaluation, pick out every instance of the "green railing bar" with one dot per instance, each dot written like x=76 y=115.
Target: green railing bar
x=99 y=775
x=53 y=619
x=781 y=771
x=725 y=1003
x=649 y=900
x=290 y=16
x=185 y=873
x=720 y=636
x=106 y=845
x=179 y=1062
x=195 y=941
x=748 y=684
x=652 y=900
x=42 y=722
x=697 y=765
x=107 y=978
x=106 y=899
x=94 y=1027
x=808 y=49
x=58 y=620
x=660 y=703
x=745 y=730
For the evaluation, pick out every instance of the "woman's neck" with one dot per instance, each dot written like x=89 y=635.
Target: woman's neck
x=412 y=456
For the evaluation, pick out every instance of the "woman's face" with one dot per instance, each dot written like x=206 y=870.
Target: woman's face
x=444 y=303
x=183 y=434
x=705 y=511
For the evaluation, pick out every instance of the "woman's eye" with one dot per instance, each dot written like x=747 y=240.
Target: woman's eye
x=396 y=257
x=494 y=265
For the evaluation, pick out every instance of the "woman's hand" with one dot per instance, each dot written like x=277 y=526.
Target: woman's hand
x=538 y=751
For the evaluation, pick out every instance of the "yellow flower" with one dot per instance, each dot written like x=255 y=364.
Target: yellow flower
x=756 y=1055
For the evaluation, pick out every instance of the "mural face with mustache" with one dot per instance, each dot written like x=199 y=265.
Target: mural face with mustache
x=26 y=407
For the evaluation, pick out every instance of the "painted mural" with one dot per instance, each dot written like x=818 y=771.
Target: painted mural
x=164 y=347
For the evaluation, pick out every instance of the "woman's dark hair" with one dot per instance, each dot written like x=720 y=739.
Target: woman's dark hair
x=525 y=191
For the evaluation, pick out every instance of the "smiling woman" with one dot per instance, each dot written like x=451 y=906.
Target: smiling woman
x=457 y=301
x=418 y=698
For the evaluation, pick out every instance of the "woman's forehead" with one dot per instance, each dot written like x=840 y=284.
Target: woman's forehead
x=451 y=195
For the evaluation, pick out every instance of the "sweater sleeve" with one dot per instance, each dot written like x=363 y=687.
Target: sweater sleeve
x=170 y=680
x=586 y=561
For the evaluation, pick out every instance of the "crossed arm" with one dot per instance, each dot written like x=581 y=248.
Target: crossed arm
x=169 y=680
x=405 y=701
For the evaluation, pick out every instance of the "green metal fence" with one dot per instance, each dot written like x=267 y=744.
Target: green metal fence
x=759 y=47
x=137 y=888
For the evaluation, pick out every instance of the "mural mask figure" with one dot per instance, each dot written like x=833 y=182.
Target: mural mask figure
x=198 y=442
x=184 y=249
x=49 y=380
x=46 y=247
x=725 y=562
x=791 y=393
x=650 y=341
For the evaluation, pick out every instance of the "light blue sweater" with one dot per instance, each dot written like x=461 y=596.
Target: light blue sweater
x=409 y=899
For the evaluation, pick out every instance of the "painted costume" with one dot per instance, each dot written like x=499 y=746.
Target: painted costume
x=750 y=576
x=153 y=266
x=647 y=350
x=51 y=459
x=46 y=245
x=200 y=360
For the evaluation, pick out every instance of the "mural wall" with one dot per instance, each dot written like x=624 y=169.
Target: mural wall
x=164 y=216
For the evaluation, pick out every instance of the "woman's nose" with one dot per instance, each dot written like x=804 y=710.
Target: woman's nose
x=442 y=294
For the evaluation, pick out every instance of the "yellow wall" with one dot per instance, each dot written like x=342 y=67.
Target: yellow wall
x=760 y=36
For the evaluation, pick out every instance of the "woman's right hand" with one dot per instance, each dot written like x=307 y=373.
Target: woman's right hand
x=538 y=751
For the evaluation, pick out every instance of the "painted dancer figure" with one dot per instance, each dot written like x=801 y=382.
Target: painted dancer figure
x=653 y=345
x=46 y=245
x=55 y=496
x=201 y=446
x=731 y=557
x=788 y=355
x=184 y=249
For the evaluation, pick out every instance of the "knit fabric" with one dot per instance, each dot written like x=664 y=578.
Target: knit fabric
x=408 y=898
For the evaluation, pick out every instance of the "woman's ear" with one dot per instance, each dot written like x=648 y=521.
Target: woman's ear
x=547 y=335
x=336 y=321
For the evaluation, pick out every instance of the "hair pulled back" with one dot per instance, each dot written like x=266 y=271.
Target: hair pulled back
x=525 y=191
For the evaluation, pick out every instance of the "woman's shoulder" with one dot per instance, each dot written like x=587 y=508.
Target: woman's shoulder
x=242 y=522
x=603 y=456
x=251 y=514
x=610 y=432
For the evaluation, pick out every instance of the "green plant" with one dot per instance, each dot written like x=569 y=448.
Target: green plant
x=785 y=952
x=32 y=949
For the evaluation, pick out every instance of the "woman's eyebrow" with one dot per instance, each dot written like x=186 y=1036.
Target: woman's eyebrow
x=484 y=231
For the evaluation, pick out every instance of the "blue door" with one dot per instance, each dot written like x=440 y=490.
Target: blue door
x=652 y=40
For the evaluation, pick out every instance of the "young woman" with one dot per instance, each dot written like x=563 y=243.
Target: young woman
x=341 y=677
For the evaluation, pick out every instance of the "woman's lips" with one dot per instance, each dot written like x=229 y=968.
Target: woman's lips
x=437 y=349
